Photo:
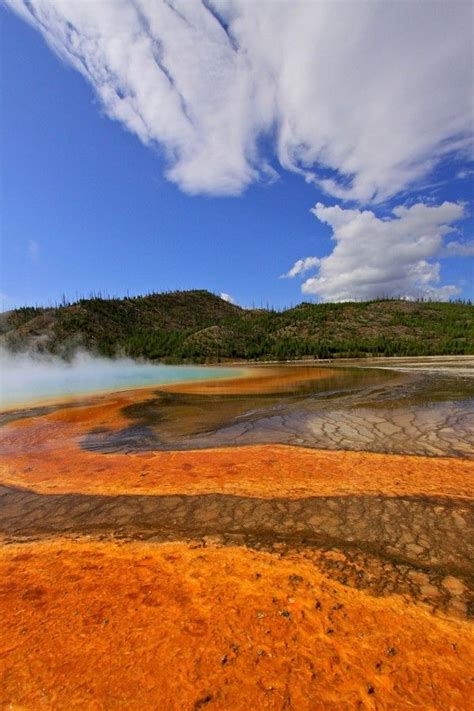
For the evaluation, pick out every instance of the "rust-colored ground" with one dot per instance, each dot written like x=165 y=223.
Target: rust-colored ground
x=44 y=454
x=104 y=625
x=90 y=625
x=262 y=470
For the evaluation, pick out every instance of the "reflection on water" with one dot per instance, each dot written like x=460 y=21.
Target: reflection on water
x=346 y=408
x=205 y=408
x=325 y=407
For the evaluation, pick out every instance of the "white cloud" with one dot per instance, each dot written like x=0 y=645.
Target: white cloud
x=458 y=249
x=463 y=174
x=227 y=297
x=300 y=267
x=393 y=256
x=361 y=97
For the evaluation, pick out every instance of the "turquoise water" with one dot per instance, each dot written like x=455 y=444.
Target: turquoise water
x=24 y=378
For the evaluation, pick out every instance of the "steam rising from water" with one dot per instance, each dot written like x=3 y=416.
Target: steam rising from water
x=27 y=377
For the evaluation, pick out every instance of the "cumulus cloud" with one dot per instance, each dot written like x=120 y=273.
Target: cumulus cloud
x=392 y=256
x=227 y=297
x=300 y=267
x=362 y=98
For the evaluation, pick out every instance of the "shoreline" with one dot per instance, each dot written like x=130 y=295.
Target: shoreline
x=461 y=365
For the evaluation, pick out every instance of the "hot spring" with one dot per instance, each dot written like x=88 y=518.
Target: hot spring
x=30 y=378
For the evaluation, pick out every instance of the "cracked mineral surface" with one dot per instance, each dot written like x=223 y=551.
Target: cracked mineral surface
x=301 y=538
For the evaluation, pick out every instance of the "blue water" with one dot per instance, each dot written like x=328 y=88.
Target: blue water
x=24 y=378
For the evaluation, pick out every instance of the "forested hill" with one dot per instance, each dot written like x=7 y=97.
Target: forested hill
x=199 y=326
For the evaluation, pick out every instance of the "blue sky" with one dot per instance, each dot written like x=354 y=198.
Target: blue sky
x=89 y=204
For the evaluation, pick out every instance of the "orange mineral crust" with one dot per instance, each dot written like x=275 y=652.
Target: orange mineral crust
x=90 y=625
x=31 y=460
x=46 y=453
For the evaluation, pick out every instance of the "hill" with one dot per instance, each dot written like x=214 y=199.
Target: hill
x=199 y=326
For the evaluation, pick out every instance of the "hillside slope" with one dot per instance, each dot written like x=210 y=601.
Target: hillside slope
x=199 y=326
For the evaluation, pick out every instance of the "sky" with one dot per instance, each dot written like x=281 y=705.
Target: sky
x=268 y=151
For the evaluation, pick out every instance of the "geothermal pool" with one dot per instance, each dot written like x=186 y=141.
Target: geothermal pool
x=286 y=539
x=25 y=378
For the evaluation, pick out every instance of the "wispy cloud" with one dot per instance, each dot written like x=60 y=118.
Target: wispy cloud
x=362 y=98
x=301 y=266
x=463 y=174
x=375 y=257
x=458 y=249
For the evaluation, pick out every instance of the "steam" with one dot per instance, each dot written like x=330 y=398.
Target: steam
x=31 y=377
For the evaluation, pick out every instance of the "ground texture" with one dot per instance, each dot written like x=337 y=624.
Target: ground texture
x=145 y=566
